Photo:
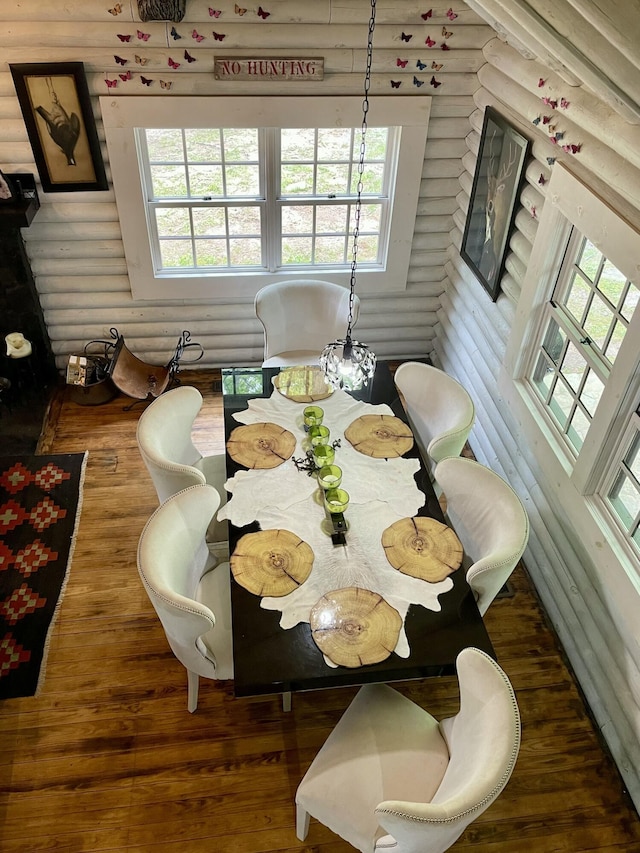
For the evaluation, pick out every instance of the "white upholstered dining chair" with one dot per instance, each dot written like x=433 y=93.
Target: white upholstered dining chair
x=173 y=461
x=191 y=597
x=490 y=521
x=440 y=410
x=389 y=766
x=300 y=317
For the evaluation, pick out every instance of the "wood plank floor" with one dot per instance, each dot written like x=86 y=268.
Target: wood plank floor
x=107 y=758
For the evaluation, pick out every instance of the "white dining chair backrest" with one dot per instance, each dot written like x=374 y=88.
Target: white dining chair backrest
x=164 y=436
x=490 y=521
x=192 y=599
x=300 y=317
x=388 y=766
x=440 y=410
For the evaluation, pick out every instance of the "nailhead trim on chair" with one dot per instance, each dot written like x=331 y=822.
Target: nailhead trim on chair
x=499 y=785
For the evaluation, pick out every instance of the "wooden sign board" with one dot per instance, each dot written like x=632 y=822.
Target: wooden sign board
x=268 y=68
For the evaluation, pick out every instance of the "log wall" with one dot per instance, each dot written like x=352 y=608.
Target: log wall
x=472 y=334
x=74 y=243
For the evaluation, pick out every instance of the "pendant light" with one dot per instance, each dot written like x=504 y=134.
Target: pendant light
x=345 y=362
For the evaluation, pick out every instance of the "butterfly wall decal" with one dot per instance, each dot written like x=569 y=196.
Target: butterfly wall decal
x=436 y=66
x=572 y=149
x=239 y=11
x=559 y=135
x=564 y=103
x=214 y=13
x=262 y=14
x=145 y=81
x=175 y=35
x=124 y=38
x=446 y=33
x=143 y=36
x=172 y=64
x=551 y=160
x=188 y=56
x=537 y=120
x=401 y=63
x=553 y=140
x=219 y=36
x=546 y=119
x=126 y=76
x=541 y=82
x=435 y=83
x=451 y=14
x=421 y=65
x=426 y=15
x=417 y=82
x=196 y=35
x=406 y=37
x=140 y=60
x=542 y=180
x=111 y=83
x=164 y=84
x=395 y=84
x=116 y=9
x=119 y=60
x=444 y=46
x=429 y=41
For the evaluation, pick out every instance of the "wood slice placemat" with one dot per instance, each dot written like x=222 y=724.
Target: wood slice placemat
x=355 y=627
x=263 y=445
x=304 y=384
x=380 y=436
x=423 y=548
x=271 y=562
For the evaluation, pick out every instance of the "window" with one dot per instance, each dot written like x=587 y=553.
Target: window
x=586 y=321
x=265 y=199
x=219 y=196
x=573 y=365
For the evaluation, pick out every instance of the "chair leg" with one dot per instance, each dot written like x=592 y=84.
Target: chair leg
x=286 y=701
x=302 y=822
x=193 y=682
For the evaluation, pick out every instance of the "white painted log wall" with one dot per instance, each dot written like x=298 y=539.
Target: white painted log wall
x=470 y=344
x=74 y=243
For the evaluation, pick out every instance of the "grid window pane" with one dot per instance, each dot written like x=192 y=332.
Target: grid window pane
x=332 y=219
x=211 y=253
x=334 y=144
x=297 y=180
x=578 y=428
x=630 y=302
x=240 y=144
x=298 y=219
x=332 y=178
x=543 y=376
x=591 y=392
x=613 y=345
x=330 y=250
x=165 y=146
x=242 y=180
x=244 y=220
x=561 y=403
x=297 y=144
x=244 y=253
x=554 y=341
x=589 y=259
x=297 y=250
x=578 y=297
x=169 y=181
x=598 y=321
x=203 y=145
x=176 y=253
x=206 y=181
x=573 y=367
x=209 y=220
x=173 y=222
x=612 y=283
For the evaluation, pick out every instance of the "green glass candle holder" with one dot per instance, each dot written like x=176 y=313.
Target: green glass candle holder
x=336 y=500
x=323 y=454
x=319 y=435
x=329 y=477
x=312 y=415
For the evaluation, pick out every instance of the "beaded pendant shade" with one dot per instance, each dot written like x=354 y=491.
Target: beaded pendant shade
x=347 y=363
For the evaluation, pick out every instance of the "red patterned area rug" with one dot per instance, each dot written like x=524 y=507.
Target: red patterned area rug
x=40 y=501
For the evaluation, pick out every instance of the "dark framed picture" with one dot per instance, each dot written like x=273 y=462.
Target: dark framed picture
x=55 y=103
x=496 y=185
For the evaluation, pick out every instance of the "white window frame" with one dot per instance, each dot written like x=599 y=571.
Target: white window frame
x=121 y=116
x=577 y=485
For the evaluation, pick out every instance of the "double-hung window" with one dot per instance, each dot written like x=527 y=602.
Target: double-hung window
x=574 y=359
x=219 y=196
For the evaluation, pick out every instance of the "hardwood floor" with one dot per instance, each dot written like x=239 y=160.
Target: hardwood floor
x=108 y=758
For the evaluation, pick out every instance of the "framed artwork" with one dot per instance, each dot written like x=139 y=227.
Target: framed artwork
x=55 y=103
x=496 y=184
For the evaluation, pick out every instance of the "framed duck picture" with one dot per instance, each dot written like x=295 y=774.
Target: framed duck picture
x=55 y=104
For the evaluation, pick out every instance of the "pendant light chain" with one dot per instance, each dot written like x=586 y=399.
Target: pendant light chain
x=358 y=207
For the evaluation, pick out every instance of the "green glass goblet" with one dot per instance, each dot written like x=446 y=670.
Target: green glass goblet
x=319 y=435
x=330 y=477
x=323 y=454
x=336 y=500
x=312 y=416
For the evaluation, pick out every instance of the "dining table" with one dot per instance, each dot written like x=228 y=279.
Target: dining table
x=279 y=642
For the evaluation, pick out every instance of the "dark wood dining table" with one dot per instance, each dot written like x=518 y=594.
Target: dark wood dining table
x=269 y=659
